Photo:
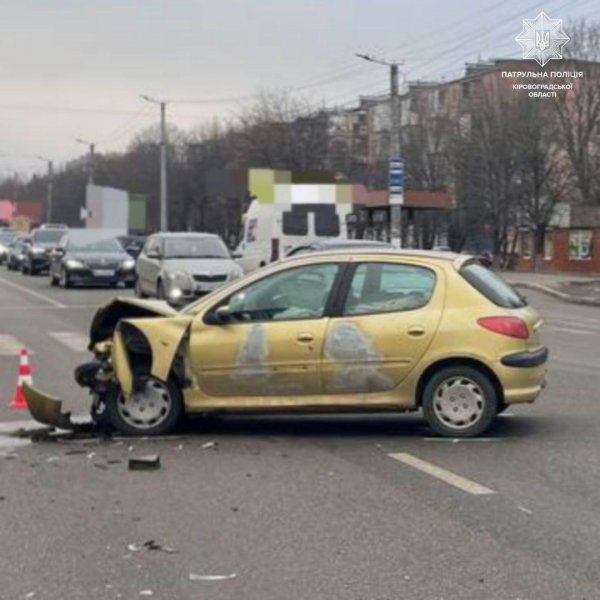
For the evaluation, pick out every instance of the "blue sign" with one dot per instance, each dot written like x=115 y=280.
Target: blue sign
x=396 y=176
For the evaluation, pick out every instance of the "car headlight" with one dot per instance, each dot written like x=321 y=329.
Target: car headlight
x=37 y=250
x=72 y=263
x=181 y=279
x=236 y=273
x=3 y=249
x=128 y=263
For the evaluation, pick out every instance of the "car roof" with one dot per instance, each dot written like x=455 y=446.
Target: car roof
x=384 y=251
x=348 y=243
x=181 y=234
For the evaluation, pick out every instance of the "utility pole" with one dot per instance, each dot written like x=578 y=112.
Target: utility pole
x=163 y=160
x=396 y=199
x=49 y=187
x=91 y=160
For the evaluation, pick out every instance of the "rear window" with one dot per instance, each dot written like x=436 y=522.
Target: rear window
x=494 y=288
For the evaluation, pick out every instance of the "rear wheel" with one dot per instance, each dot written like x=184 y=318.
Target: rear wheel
x=154 y=409
x=459 y=401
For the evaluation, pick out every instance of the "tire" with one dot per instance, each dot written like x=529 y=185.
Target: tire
x=64 y=281
x=465 y=411
x=502 y=406
x=53 y=279
x=127 y=416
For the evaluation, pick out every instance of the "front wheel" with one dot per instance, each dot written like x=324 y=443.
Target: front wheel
x=459 y=401
x=154 y=409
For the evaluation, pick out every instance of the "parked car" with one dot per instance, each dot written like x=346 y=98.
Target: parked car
x=38 y=251
x=180 y=267
x=79 y=259
x=17 y=252
x=132 y=244
x=338 y=244
x=333 y=331
x=7 y=236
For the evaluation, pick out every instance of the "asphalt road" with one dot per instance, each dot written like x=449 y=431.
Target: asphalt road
x=303 y=507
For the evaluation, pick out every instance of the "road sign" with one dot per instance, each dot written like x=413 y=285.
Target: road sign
x=396 y=180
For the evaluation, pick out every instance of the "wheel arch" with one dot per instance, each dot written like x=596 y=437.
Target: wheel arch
x=455 y=361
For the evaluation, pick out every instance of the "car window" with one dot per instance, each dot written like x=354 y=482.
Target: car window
x=495 y=289
x=195 y=247
x=385 y=287
x=299 y=293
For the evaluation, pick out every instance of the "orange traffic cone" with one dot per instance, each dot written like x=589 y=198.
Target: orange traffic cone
x=18 y=402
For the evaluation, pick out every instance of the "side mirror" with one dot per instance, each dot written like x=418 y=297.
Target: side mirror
x=153 y=254
x=59 y=251
x=220 y=316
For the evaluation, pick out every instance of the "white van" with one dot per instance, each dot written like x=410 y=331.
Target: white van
x=270 y=231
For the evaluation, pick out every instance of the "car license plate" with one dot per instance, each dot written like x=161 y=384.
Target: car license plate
x=103 y=272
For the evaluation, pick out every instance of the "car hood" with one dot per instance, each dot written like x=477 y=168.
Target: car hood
x=196 y=266
x=107 y=317
x=97 y=256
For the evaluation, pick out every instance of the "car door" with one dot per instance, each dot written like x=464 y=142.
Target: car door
x=383 y=326
x=146 y=265
x=271 y=347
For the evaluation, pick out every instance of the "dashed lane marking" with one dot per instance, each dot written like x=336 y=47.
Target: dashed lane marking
x=10 y=345
x=462 y=483
x=71 y=339
x=570 y=330
x=32 y=293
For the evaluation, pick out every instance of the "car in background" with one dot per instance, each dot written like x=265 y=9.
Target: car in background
x=53 y=226
x=132 y=244
x=82 y=259
x=7 y=237
x=38 y=251
x=17 y=252
x=180 y=267
x=338 y=244
x=377 y=331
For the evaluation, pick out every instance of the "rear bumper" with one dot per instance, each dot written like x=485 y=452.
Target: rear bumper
x=523 y=375
x=526 y=359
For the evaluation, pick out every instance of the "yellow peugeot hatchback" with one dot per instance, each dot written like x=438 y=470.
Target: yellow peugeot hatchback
x=370 y=330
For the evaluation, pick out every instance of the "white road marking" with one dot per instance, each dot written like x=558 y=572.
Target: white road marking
x=570 y=330
x=461 y=440
x=32 y=293
x=10 y=345
x=71 y=339
x=525 y=510
x=466 y=485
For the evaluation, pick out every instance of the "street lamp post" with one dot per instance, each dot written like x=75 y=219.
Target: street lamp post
x=163 y=160
x=91 y=159
x=49 y=187
x=396 y=200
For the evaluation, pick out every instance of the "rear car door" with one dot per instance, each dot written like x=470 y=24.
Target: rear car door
x=272 y=345
x=385 y=321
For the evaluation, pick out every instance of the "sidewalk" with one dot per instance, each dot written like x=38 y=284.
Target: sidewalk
x=569 y=287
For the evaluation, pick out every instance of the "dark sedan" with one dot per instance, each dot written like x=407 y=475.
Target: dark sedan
x=38 y=252
x=83 y=262
x=16 y=252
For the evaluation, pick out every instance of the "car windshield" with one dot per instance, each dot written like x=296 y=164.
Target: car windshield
x=47 y=236
x=494 y=288
x=195 y=247
x=107 y=245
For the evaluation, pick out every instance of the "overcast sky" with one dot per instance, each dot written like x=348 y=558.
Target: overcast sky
x=75 y=68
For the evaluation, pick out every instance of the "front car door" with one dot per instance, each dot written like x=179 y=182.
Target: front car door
x=383 y=326
x=146 y=266
x=269 y=352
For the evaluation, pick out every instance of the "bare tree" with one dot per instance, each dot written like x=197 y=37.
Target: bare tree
x=578 y=111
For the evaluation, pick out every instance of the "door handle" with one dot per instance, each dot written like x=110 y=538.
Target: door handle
x=305 y=337
x=416 y=331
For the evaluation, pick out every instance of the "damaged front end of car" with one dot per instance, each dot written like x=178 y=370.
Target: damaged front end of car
x=133 y=342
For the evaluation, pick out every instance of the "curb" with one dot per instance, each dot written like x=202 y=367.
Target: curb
x=584 y=300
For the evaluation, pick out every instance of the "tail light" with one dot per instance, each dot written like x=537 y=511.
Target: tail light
x=274 y=249
x=510 y=326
